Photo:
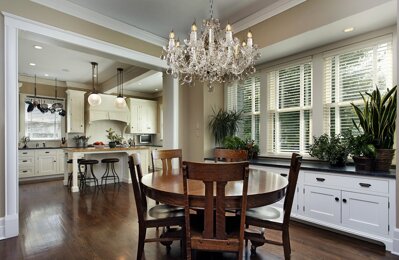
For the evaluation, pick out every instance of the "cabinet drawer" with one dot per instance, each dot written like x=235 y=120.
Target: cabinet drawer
x=325 y=180
x=370 y=185
x=46 y=152
x=26 y=172
x=26 y=161
x=24 y=153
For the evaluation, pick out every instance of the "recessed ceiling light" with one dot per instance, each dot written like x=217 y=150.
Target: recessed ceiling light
x=65 y=70
x=37 y=47
x=349 y=29
x=45 y=74
x=139 y=83
x=32 y=64
x=156 y=89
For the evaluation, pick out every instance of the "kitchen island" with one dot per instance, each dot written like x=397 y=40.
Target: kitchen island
x=100 y=153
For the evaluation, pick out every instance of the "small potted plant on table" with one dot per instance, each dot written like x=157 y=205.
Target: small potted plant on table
x=114 y=138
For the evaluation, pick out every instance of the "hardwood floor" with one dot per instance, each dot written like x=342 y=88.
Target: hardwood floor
x=57 y=224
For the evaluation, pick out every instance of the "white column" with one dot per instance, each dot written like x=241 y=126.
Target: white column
x=11 y=115
x=170 y=112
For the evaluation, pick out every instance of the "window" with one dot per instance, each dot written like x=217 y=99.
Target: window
x=245 y=96
x=348 y=72
x=289 y=92
x=42 y=126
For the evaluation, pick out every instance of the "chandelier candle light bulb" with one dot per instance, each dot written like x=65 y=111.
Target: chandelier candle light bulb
x=213 y=55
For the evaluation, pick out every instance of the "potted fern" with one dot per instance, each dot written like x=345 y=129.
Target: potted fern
x=377 y=118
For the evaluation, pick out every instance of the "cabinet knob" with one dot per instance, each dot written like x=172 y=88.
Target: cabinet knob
x=25 y=161
x=284 y=174
x=336 y=199
x=344 y=200
x=366 y=185
x=55 y=161
x=320 y=179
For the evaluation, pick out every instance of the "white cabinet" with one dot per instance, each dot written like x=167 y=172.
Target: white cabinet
x=323 y=204
x=361 y=205
x=41 y=162
x=143 y=116
x=75 y=111
x=365 y=212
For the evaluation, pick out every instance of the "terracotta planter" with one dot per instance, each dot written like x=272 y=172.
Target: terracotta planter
x=363 y=163
x=383 y=159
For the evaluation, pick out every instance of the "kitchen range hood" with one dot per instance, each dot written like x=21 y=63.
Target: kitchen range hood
x=107 y=111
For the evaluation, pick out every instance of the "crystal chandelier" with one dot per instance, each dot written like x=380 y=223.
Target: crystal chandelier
x=212 y=56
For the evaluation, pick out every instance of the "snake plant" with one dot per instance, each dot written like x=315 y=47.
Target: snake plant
x=377 y=117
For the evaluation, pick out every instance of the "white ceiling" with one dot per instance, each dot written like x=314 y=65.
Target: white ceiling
x=157 y=18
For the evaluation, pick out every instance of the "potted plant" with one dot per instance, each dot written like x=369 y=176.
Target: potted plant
x=236 y=143
x=362 y=151
x=377 y=118
x=224 y=123
x=114 y=138
x=333 y=149
x=81 y=140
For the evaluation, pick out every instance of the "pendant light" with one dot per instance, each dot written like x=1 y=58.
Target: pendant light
x=94 y=99
x=120 y=101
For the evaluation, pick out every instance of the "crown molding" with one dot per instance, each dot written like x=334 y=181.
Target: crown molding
x=100 y=19
x=265 y=13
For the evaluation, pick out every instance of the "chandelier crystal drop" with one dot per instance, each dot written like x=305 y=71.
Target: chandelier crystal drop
x=94 y=99
x=213 y=56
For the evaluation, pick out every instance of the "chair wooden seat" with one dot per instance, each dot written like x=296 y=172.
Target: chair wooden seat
x=155 y=217
x=273 y=218
x=212 y=230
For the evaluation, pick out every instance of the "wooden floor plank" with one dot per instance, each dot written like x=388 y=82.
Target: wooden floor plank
x=58 y=224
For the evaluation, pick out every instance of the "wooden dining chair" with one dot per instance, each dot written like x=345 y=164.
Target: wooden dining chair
x=270 y=217
x=155 y=217
x=215 y=232
x=167 y=157
x=230 y=155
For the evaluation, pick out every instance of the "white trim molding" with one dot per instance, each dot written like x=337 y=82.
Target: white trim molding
x=395 y=246
x=265 y=13
x=103 y=20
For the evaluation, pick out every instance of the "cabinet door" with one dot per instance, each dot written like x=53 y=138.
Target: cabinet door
x=151 y=117
x=134 y=120
x=365 y=212
x=323 y=204
x=61 y=162
x=46 y=165
x=75 y=120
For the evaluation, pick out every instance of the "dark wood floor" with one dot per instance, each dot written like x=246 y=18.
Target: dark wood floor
x=57 y=224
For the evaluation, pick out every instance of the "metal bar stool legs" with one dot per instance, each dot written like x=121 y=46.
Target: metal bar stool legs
x=110 y=172
x=88 y=176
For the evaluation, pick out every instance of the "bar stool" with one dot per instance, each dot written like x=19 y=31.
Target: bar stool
x=110 y=172
x=85 y=177
x=70 y=174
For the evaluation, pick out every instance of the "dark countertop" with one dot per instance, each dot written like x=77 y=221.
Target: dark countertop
x=319 y=166
x=50 y=147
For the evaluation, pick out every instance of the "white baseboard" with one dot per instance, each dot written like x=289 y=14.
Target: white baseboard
x=9 y=226
x=395 y=247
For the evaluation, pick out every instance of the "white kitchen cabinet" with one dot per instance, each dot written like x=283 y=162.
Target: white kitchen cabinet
x=143 y=118
x=46 y=162
x=323 y=204
x=41 y=162
x=75 y=111
x=365 y=212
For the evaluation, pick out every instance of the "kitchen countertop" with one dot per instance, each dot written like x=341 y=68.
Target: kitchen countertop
x=50 y=147
x=319 y=166
x=104 y=149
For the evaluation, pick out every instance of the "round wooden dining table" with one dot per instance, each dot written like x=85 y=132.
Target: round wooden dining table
x=264 y=188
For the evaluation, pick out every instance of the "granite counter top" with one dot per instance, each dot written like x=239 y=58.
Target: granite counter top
x=42 y=148
x=319 y=166
x=104 y=149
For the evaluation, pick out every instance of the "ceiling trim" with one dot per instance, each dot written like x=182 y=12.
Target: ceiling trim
x=148 y=61
x=265 y=13
x=100 y=19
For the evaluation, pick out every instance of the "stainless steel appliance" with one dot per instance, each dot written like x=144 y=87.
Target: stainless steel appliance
x=145 y=139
